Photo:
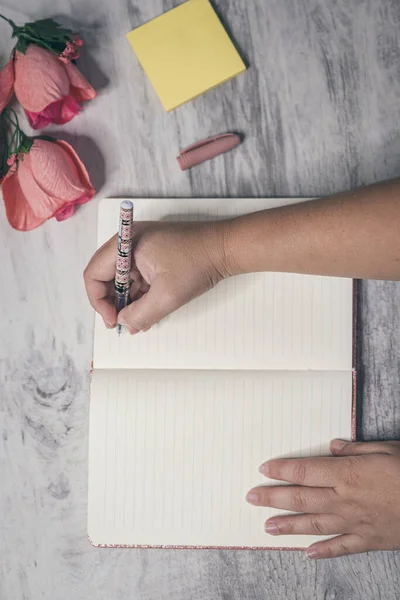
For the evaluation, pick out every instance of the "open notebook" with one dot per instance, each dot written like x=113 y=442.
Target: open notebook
x=181 y=417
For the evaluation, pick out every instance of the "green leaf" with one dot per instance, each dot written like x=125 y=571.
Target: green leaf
x=48 y=30
x=46 y=138
x=26 y=144
x=46 y=33
x=45 y=23
x=22 y=45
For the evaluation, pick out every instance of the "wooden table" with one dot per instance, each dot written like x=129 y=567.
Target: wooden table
x=320 y=109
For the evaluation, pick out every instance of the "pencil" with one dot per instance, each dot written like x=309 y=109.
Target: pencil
x=124 y=258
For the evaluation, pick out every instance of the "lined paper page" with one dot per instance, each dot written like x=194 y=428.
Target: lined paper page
x=173 y=453
x=256 y=321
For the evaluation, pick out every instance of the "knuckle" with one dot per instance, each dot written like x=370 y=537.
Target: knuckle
x=343 y=549
x=287 y=526
x=331 y=551
x=335 y=550
x=299 y=502
x=299 y=472
x=350 y=475
x=266 y=500
x=328 y=552
x=316 y=526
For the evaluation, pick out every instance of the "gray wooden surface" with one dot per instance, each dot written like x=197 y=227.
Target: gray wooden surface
x=320 y=108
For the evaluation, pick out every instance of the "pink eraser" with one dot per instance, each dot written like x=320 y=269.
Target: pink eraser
x=201 y=151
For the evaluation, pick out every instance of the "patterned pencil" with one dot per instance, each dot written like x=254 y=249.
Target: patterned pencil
x=124 y=258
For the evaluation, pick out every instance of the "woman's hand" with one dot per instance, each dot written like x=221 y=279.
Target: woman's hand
x=353 y=234
x=355 y=495
x=173 y=263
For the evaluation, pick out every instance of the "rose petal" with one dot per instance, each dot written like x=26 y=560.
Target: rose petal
x=65 y=212
x=59 y=112
x=69 y=209
x=55 y=171
x=37 y=120
x=6 y=84
x=46 y=116
x=53 y=176
x=80 y=88
x=43 y=204
x=80 y=167
x=19 y=213
x=40 y=79
x=70 y=108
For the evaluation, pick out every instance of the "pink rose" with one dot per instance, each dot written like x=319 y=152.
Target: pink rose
x=48 y=181
x=48 y=89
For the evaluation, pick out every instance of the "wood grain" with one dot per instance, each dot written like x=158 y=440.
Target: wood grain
x=320 y=109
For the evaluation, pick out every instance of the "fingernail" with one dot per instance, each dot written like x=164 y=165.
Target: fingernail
x=338 y=444
x=264 y=469
x=253 y=497
x=110 y=325
x=312 y=553
x=271 y=527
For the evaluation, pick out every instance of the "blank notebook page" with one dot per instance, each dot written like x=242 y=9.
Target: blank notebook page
x=181 y=417
x=173 y=454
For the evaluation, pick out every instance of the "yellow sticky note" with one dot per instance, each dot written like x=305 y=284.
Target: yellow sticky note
x=185 y=52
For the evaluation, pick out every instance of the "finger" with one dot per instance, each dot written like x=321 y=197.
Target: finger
x=295 y=498
x=338 y=546
x=343 y=448
x=311 y=524
x=153 y=306
x=98 y=276
x=102 y=265
x=316 y=472
x=106 y=308
x=99 y=297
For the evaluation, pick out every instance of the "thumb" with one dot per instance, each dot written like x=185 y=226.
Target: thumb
x=153 y=306
x=344 y=448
